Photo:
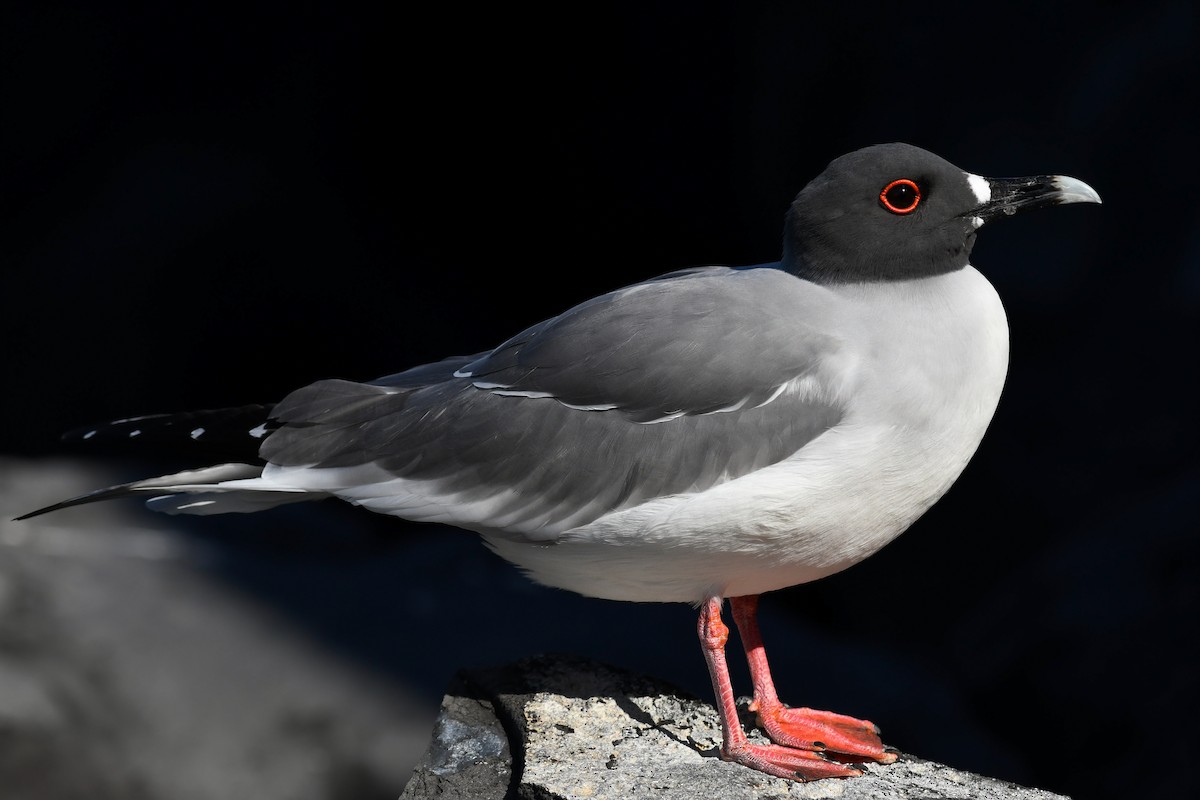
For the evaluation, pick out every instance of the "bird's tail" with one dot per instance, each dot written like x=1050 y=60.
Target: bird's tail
x=221 y=489
x=231 y=487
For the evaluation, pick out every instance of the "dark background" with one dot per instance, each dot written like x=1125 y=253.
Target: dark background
x=205 y=208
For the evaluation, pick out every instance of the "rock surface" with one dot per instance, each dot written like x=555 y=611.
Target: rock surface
x=582 y=729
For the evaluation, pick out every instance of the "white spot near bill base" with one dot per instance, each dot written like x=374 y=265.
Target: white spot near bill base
x=980 y=187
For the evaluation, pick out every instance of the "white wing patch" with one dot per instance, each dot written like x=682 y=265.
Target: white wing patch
x=802 y=386
x=597 y=407
x=518 y=393
x=794 y=385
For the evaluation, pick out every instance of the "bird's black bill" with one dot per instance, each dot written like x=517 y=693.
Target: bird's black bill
x=1012 y=195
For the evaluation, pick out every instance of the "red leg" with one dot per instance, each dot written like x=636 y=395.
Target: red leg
x=806 y=728
x=773 y=759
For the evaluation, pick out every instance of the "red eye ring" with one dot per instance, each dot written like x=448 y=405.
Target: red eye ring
x=901 y=196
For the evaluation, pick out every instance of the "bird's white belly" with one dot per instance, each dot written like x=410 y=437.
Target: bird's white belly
x=921 y=391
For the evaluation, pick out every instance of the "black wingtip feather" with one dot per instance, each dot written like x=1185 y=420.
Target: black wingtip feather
x=230 y=433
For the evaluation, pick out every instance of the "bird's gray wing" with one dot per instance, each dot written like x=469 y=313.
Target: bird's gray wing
x=691 y=342
x=668 y=386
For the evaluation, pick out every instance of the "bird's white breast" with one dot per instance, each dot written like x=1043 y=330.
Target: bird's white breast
x=920 y=374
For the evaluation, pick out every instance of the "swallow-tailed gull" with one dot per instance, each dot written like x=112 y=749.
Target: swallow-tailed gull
x=710 y=433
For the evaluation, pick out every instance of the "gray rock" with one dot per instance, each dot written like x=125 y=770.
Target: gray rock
x=581 y=729
x=129 y=671
x=469 y=755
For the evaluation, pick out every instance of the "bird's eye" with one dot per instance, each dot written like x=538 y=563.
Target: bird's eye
x=901 y=197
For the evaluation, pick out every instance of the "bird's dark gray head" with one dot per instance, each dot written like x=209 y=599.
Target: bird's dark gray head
x=895 y=212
